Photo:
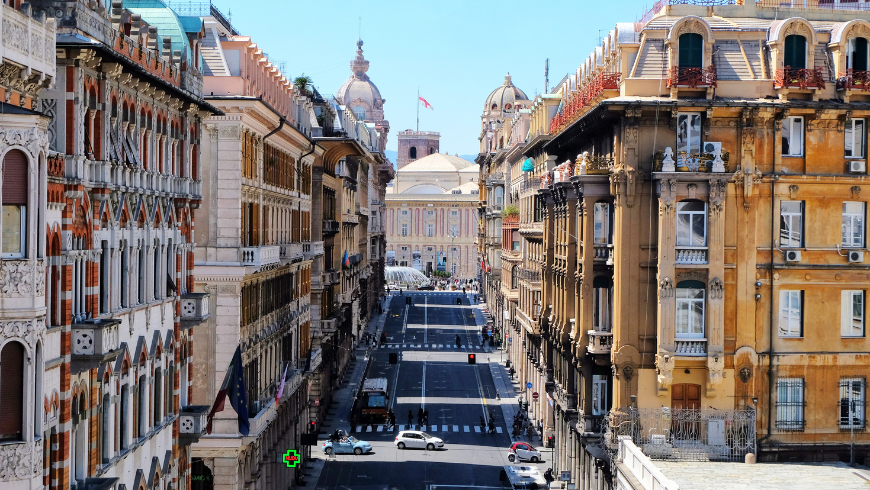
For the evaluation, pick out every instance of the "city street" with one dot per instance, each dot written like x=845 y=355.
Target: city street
x=434 y=374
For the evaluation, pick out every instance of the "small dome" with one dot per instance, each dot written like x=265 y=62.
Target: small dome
x=505 y=98
x=359 y=87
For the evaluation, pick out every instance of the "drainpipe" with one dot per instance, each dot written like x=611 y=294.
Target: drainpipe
x=770 y=316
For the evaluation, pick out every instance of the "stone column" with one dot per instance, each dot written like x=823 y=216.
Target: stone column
x=666 y=283
x=715 y=328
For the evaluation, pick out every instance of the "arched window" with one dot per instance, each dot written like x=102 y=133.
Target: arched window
x=14 y=217
x=412 y=153
x=690 y=309
x=507 y=107
x=795 y=52
x=125 y=420
x=12 y=391
x=857 y=54
x=106 y=414
x=360 y=112
x=691 y=50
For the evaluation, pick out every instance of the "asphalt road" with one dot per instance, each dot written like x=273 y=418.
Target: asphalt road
x=434 y=374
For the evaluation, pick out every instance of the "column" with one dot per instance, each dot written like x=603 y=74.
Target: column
x=666 y=283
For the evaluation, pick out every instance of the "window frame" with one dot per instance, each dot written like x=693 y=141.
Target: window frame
x=687 y=302
x=786 y=54
x=790 y=412
x=687 y=48
x=689 y=135
x=788 y=217
x=787 y=297
x=853 y=217
x=692 y=214
x=599 y=394
x=851 y=51
x=22 y=231
x=404 y=229
x=601 y=223
x=789 y=123
x=858 y=418
x=849 y=132
x=847 y=312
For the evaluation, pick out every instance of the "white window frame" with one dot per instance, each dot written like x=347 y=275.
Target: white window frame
x=790 y=403
x=686 y=299
x=404 y=229
x=852 y=313
x=602 y=315
x=693 y=124
x=430 y=230
x=855 y=137
x=601 y=223
x=599 y=394
x=791 y=225
x=853 y=224
x=855 y=419
x=794 y=125
x=22 y=209
x=791 y=313
x=693 y=215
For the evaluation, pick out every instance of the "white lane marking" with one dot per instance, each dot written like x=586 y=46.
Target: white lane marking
x=498 y=429
x=426 y=319
x=455 y=428
x=426 y=345
x=404 y=345
x=444 y=428
x=380 y=428
x=423 y=395
x=369 y=428
x=401 y=427
x=476 y=429
x=466 y=428
x=359 y=428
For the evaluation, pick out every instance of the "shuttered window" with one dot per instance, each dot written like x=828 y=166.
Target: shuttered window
x=14 y=203
x=795 y=52
x=691 y=51
x=11 y=391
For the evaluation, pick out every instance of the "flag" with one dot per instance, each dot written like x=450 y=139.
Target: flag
x=234 y=383
x=281 y=388
x=425 y=103
x=346 y=260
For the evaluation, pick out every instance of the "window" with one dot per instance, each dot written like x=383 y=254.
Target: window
x=404 y=229
x=107 y=426
x=852 y=403
x=602 y=297
x=360 y=112
x=853 y=224
x=793 y=136
x=601 y=215
x=856 y=54
x=599 y=394
x=515 y=277
x=412 y=153
x=791 y=223
x=499 y=196
x=692 y=224
x=14 y=218
x=454 y=230
x=690 y=309
x=854 y=134
x=791 y=313
x=790 y=403
x=691 y=50
x=12 y=391
x=852 y=314
x=688 y=136
x=795 y=52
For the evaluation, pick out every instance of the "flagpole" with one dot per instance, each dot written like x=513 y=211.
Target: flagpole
x=418 y=109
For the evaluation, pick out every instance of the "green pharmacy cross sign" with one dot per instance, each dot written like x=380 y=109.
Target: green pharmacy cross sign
x=291 y=458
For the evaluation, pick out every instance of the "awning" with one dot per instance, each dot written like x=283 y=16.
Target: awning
x=528 y=165
x=597 y=452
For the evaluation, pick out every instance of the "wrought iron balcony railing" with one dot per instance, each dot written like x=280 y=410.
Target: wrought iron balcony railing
x=692 y=77
x=854 y=80
x=804 y=78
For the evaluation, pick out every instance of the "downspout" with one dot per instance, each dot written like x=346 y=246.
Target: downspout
x=770 y=316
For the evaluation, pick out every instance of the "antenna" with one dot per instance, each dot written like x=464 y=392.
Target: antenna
x=547 y=75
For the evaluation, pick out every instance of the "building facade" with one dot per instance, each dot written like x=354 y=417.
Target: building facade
x=702 y=239
x=254 y=260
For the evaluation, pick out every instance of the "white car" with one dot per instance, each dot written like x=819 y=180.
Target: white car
x=418 y=439
x=524 y=452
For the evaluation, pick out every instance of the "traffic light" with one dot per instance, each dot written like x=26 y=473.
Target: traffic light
x=525 y=406
x=313 y=426
x=394 y=358
x=472 y=359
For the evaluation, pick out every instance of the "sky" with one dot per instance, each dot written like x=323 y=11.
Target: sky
x=455 y=51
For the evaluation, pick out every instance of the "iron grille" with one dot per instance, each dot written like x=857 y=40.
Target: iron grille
x=853 y=403
x=790 y=404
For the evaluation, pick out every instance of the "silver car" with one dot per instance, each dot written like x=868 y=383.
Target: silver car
x=418 y=439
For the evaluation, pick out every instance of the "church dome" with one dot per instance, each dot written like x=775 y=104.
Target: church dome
x=505 y=98
x=359 y=93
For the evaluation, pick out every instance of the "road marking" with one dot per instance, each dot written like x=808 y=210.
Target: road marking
x=381 y=428
x=423 y=395
x=426 y=345
x=444 y=428
x=426 y=319
x=498 y=429
x=359 y=428
x=405 y=321
x=404 y=345
x=401 y=427
x=455 y=428
x=476 y=429
x=368 y=428
x=433 y=429
x=466 y=428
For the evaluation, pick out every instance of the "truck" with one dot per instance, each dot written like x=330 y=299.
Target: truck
x=370 y=405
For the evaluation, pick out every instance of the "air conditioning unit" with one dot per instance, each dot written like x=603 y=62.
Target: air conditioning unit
x=712 y=147
x=857 y=166
x=793 y=256
x=856 y=256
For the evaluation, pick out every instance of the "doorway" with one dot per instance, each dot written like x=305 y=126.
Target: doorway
x=685 y=412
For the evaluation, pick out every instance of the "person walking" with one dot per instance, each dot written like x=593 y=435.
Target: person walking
x=410 y=418
x=383 y=338
x=548 y=476
x=491 y=426
x=482 y=425
x=420 y=416
x=426 y=417
x=457 y=341
x=391 y=417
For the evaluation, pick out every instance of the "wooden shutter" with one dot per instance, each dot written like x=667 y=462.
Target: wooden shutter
x=11 y=390
x=256 y=228
x=15 y=178
x=795 y=52
x=691 y=51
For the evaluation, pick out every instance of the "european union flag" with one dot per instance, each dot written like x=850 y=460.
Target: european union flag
x=238 y=393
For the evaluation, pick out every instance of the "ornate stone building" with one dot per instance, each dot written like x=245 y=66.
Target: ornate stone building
x=254 y=259
x=703 y=239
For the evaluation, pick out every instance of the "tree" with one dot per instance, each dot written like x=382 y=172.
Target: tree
x=302 y=82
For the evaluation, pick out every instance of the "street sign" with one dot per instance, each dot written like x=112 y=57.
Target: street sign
x=317 y=402
x=529 y=385
x=535 y=395
x=510 y=339
x=565 y=476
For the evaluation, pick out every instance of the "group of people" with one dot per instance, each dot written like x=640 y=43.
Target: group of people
x=422 y=417
x=522 y=425
x=487 y=427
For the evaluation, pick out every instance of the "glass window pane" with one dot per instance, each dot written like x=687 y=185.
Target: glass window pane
x=699 y=238
x=858 y=148
x=848 y=138
x=13 y=217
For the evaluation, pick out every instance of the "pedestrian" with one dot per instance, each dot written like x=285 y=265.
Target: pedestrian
x=482 y=425
x=410 y=418
x=548 y=476
x=426 y=417
x=457 y=341
x=383 y=338
x=420 y=416
x=491 y=426
x=391 y=417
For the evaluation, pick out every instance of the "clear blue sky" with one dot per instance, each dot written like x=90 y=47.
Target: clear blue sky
x=456 y=51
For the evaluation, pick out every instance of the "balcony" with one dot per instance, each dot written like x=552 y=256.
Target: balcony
x=29 y=44
x=853 y=81
x=355 y=259
x=315 y=249
x=587 y=95
x=603 y=252
x=293 y=252
x=599 y=342
x=331 y=277
x=529 y=275
x=350 y=218
x=330 y=227
x=192 y=421
x=94 y=342
x=690 y=347
x=194 y=309
x=691 y=255
x=260 y=256
x=692 y=77
x=803 y=79
x=329 y=325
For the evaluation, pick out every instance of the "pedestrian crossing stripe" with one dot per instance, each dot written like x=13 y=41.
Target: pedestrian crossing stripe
x=444 y=428
x=380 y=428
x=498 y=429
x=455 y=428
x=476 y=429
x=466 y=428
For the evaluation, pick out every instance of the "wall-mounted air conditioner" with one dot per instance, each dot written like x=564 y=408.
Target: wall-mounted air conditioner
x=857 y=166
x=856 y=256
x=793 y=255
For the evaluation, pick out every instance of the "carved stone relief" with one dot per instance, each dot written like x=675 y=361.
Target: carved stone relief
x=665 y=372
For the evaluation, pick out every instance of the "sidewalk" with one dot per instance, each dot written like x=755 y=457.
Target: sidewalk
x=338 y=414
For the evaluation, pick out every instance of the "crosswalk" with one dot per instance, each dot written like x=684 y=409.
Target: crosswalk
x=426 y=428
x=434 y=346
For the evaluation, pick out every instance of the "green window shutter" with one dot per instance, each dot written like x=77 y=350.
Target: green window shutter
x=859 y=56
x=795 y=52
x=691 y=51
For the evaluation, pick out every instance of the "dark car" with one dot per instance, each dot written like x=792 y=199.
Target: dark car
x=426 y=288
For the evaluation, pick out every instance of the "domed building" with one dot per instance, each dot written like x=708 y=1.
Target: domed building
x=501 y=105
x=362 y=96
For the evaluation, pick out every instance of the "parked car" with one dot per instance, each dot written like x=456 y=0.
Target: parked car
x=524 y=477
x=418 y=439
x=347 y=446
x=523 y=451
